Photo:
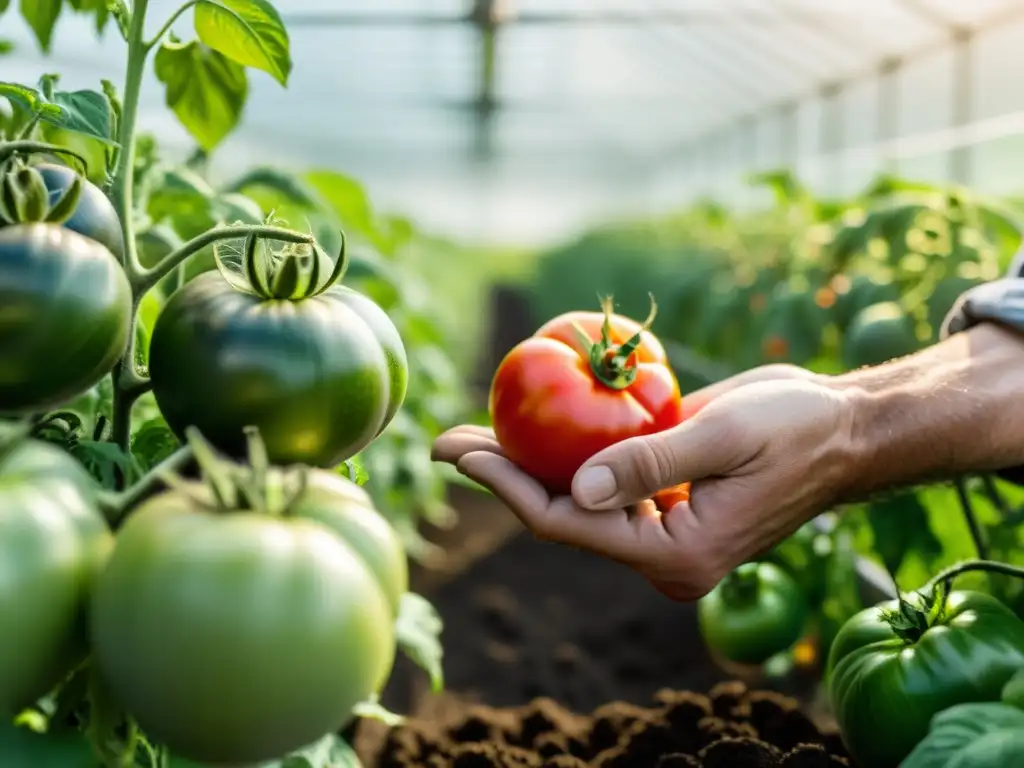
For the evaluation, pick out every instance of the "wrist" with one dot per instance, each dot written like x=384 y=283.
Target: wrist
x=954 y=408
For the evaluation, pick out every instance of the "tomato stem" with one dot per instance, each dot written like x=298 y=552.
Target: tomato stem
x=152 y=276
x=968 y=566
x=742 y=585
x=980 y=547
x=117 y=506
x=610 y=363
x=11 y=148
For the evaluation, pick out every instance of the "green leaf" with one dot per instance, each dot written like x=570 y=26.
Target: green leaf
x=418 y=632
x=249 y=32
x=153 y=442
x=59 y=749
x=206 y=90
x=348 y=199
x=41 y=16
x=1013 y=691
x=85 y=112
x=105 y=461
x=289 y=187
x=977 y=735
x=332 y=751
x=354 y=470
x=6 y=47
x=372 y=709
x=4 y=5
x=900 y=524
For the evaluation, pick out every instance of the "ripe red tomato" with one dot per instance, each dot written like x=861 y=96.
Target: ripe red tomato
x=582 y=382
x=669 y=497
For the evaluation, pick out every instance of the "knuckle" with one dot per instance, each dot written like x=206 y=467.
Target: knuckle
x=654 y=462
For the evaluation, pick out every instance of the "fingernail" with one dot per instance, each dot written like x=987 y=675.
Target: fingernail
x=594 y=485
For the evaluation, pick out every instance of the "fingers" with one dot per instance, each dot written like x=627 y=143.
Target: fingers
x=710 y=444
x=461 y=440
x=607 y=533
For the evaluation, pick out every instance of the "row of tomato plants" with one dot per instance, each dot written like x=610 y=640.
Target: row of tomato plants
x=212 y=459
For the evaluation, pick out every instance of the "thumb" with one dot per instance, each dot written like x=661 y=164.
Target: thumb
x=708 y=445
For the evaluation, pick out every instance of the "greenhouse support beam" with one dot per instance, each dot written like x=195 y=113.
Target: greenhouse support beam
x=889 y=111
x=961 y=158
x=832 y=133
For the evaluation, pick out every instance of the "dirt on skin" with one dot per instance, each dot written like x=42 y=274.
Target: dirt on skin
x=730 y=727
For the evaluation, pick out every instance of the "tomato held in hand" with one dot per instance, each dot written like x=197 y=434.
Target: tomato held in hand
x=892 y=668
x=582 y=382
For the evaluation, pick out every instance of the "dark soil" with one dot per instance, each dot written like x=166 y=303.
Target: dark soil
x=536 y=619
x=731 y=727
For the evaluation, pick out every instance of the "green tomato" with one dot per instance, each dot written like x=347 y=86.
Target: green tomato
x=320 y=377
x=94 y=216
x=348 y=510
x=65 y=315
x=885 y=689
x=53 y=541
x=754 y=613
x=235 y=637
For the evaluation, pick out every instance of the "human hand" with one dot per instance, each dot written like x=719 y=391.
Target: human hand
x=766 y=451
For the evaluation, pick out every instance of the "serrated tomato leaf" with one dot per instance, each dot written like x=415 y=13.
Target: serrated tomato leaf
x=975 y=735
x=206 y=90
x=249 y=32
x=418 y=632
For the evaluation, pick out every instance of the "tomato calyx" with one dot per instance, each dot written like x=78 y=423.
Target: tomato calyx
x=910 y=620
x=25 y=199
x=611 y=363
x=229 y=487
x=291 y=272
x=742 y=585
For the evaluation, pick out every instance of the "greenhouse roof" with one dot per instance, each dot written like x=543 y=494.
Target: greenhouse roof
x=586 y=102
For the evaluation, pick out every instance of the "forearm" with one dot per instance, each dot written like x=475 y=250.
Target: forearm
x=953 y=408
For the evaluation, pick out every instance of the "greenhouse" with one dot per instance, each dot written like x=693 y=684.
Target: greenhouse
x=511 y=384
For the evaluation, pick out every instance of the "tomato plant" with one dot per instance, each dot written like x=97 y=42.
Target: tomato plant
x=319 y=368
x=893 y=667
x=102 y=244
x=582 y=382
x=53 y=541
x=241 y=623
x=754 y=613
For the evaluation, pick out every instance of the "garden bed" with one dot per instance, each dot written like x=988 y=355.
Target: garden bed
x=529 y=624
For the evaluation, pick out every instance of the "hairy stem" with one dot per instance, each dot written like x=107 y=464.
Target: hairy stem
x=11 y=148
x=150 y=45
x=121 y=188
x=148 y=278
x=125 y=375
x=969 y=566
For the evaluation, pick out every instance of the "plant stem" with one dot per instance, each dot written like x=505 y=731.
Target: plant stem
x=38 y=148
x=968 y=566
x=27 y=131
x=125 y=375
x=169 y=23
x=146 y=279
x=121 y=189
x=118 y=505
x=977 y=536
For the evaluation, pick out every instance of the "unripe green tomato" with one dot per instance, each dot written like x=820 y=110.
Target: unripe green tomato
x=753 y=614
